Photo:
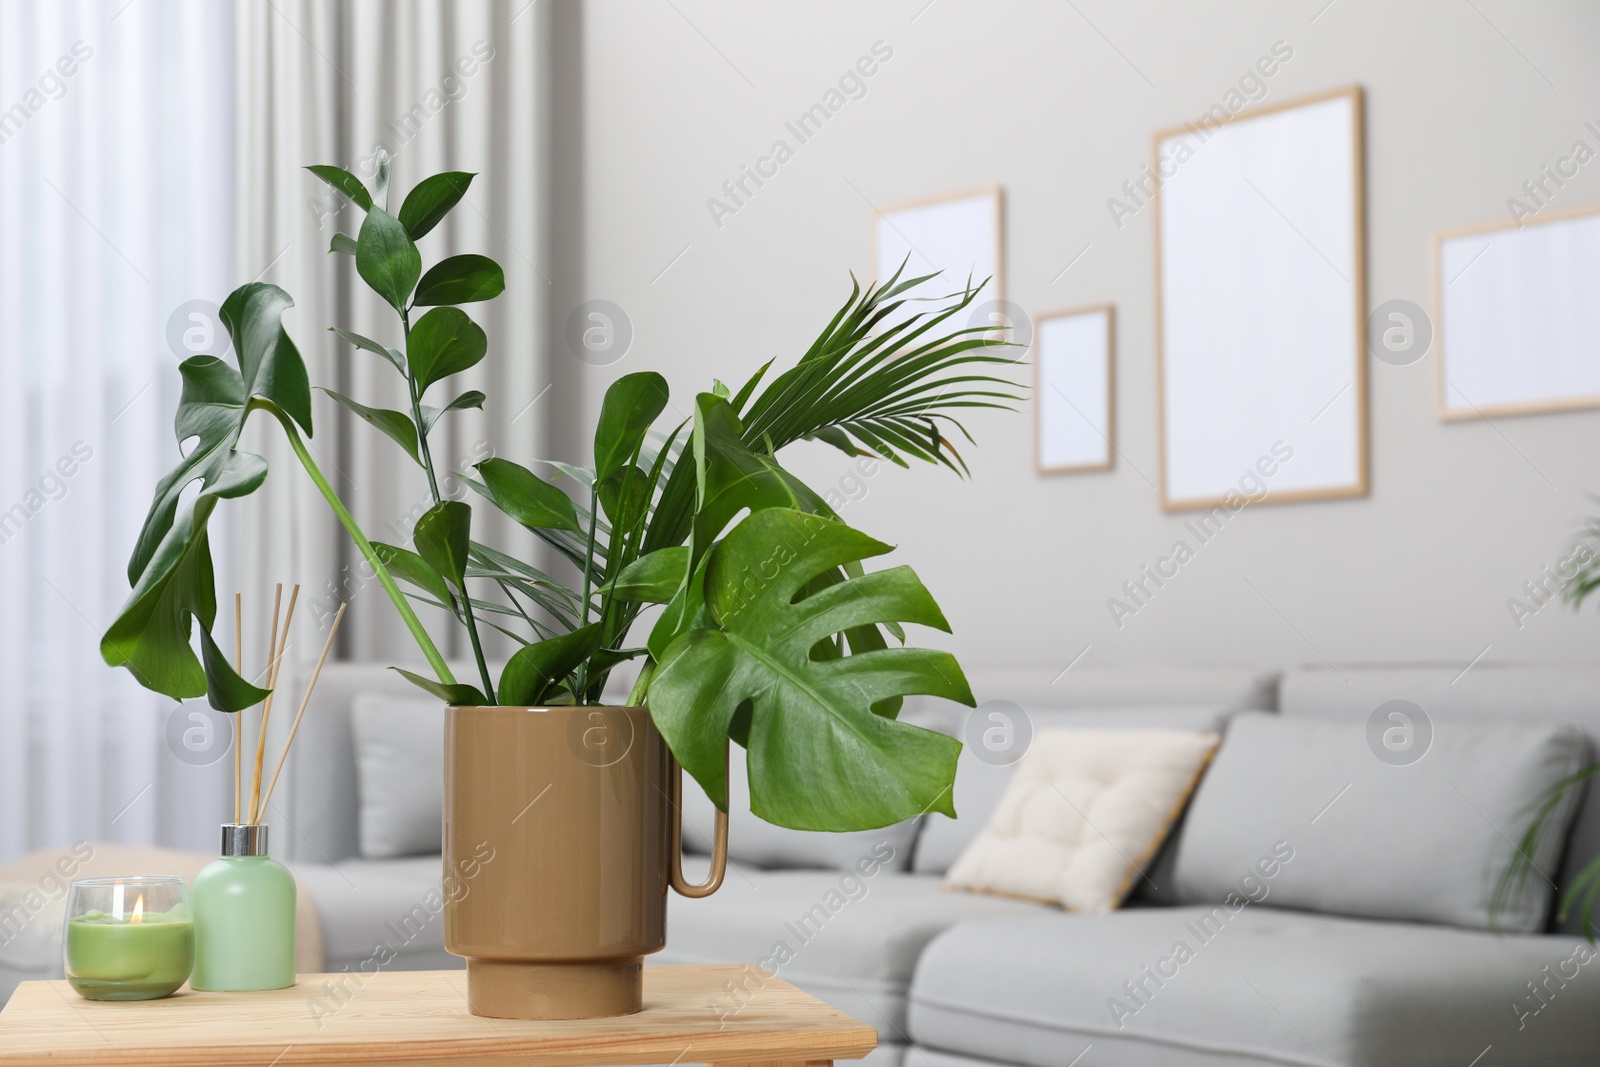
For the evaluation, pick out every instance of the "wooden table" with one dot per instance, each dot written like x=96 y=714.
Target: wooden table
x=733 y=1015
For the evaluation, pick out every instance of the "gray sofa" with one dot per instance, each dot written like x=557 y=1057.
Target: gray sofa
x=1369 y=948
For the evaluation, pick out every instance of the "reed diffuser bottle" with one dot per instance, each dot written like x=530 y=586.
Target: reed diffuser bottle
x=243 y=916
x=244 y=900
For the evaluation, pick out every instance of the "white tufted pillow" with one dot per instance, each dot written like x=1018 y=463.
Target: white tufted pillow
x=1083 y=814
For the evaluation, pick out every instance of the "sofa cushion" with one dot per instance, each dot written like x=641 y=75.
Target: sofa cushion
x=985 y=765
x=1256 y=985
x=1084 y=811
x=318 y=795
x=1423 y=840
x=753 y=840
x=1538 y=692
x=384 y=913
x=400 y=769
x=851 y=938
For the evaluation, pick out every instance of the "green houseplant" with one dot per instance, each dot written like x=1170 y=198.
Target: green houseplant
x=772 y=634
x=1583 y=892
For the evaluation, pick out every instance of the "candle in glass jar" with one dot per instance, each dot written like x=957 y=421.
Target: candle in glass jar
x=136 y=955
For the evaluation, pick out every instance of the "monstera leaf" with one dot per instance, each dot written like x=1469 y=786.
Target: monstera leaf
x=170 y=569
x=811 y=719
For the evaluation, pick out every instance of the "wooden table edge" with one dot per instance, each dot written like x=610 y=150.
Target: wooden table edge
x=827 y=1035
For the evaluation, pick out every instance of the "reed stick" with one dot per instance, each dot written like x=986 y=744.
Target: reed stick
x=327 y=646
x=266 y=707
x=238 y=725
x=272 y=648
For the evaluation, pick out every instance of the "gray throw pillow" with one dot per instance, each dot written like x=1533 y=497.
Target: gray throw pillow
x=400 y=775
x=1305 y=813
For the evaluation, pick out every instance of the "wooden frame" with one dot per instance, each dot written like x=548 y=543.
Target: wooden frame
x=1110 y=433
x=1440 y=402
x=997 y=287
x=1361 y=486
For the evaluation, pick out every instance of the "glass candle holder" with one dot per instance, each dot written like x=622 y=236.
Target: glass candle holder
x=128 y=938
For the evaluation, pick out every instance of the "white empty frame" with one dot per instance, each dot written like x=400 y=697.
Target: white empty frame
x=1518 y=316
x=1072 y=390
x=1261 y=294
x=958 y=236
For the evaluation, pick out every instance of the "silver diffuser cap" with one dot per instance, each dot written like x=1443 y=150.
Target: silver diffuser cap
x=244 y=839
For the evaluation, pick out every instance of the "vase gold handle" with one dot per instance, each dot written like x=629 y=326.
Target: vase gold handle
x=719 y=844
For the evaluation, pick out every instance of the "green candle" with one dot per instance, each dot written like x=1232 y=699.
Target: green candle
x=136 y=956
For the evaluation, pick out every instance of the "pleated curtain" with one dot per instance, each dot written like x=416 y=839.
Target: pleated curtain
x=438 y=86
x=169 y=170
x=116 y=214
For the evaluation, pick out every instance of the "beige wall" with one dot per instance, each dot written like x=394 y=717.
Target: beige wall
x=1056 y=103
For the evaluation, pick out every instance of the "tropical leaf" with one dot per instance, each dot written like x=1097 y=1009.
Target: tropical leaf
x=1583 y=890
x=526 y=497
x=535 y=670
x=653 y=579
x=170 y=569
x=443 y=539
x=410 y=567
x=458 y=693
x=625 y=496
x=859 y=387
x=151 y=635
x=431 y=200
x=584 y=476
x=346 y=183
x=731 y=476
x=397 y=359
x=386 y=258
x=472 y=398
x=396 y=425
x=684 y=612
x=225 y=690
x=629 y=407
x=806 y=713
x=502 y=563
x=443 y=342
x=461 y=280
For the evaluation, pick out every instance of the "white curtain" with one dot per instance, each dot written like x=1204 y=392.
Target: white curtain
x=151 y=159
x=116 y=203
x=440 y=86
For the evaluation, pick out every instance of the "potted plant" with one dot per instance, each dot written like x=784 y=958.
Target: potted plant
x=1581 y=895
x=772 y=635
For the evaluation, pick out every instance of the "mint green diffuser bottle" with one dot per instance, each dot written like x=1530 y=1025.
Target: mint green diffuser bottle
x=243 y=916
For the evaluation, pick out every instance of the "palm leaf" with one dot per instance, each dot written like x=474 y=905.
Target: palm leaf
x=864 y=385
x=1585 y=888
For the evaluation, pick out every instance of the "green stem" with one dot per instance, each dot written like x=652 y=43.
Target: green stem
x=433 y=488
x=588 y=565
x=401 y=604
x=641 y=688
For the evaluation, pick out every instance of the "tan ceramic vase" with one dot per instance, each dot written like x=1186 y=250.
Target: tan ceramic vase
x=561 y=839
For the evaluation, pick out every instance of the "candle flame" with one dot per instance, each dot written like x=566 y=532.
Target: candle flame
x=138 y=910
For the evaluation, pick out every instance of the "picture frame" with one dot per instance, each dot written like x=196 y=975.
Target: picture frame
x=1512 y=303
x=1074 y=398
x=1260 y=250
x=957 y=234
